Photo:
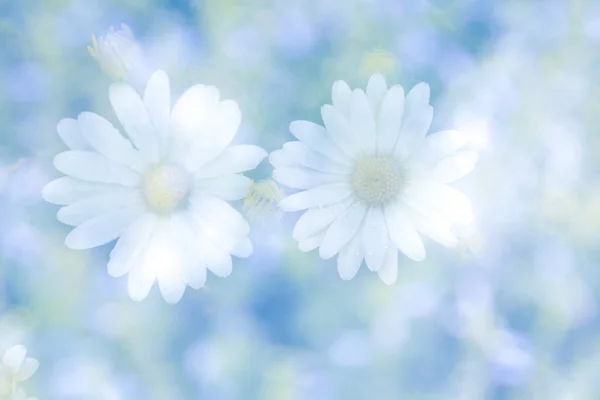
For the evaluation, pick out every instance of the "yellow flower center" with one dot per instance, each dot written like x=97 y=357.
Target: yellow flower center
x=377 y=179
x=165 y=187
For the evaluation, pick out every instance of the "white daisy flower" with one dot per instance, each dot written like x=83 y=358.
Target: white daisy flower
x=16 y=367
x=118 y=54
x=163 y=192
x=372 y=180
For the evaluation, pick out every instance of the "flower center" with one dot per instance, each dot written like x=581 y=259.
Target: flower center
x=377 y=179
x=166 y=187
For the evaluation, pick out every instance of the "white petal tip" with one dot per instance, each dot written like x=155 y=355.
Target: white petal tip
x=172 y=300
x=373 y=269
x=389 y=282
x=138 y=297
x=423 y=87
x=340 y=83
x=47 y=194
x=285 y=207
x=114 y=271
x=244 y=253
x=263 y=154
x=14 y=357
x=73 y=245
x=325 y=255
x=417 y=257
x=159 y=72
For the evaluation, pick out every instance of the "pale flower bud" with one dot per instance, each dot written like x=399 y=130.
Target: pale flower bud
x=118 y=53
x=16 y=367
x=262 y=201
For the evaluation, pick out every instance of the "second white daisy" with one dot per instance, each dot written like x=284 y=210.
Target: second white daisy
x=163 y=191
x=372 y=180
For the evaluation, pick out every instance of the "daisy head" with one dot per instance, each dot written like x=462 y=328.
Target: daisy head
x=117 y=53
x=163 y=189
x=371 y=180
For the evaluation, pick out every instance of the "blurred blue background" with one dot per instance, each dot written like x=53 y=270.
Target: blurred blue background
x=512 y=315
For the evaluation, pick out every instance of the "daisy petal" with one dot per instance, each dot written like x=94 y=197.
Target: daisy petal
x=214 y=231
x=67 y=190
x=230 y=118
x=209 y=253
x=14 y=357
x=161 y=261
x=416 y=120
x=131 y=246
x=83 y=210
x=375 y=239
x=433 y=199
x=302 y=178
x=418 y=96
x=403 y=233
x=211 y=141
x=376 y=91
x=390 y=119
x=105 y=139
x=229 y=187
x=195 y=276
x=170 y=265
x=312 y=242
x=28 y=368
x=194 y=113
x=70 y=135
x=152 y=258
x=455 y=167
x=171 y=284
x=243 y=248
x=388 y=272
x=297 y=153
x=340 y=96
x=183 y=232
x=132 y=114
x=339 y=129
x=342 y=230
x=280 y=159
x=157 y=100
x=362 y=122
x=93 y=167
x=443 y=143
x=233 y=160
x=435 y=228
x=212 y=208
x=317 y=219
x=222 y=269
x=317 y=139
x=140 y=281
x=101 y=229
x=435 y=148
x=350 y=258
x=319 y=196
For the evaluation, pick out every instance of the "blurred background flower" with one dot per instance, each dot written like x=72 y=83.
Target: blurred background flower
x=118 y=54
x=516 y=318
